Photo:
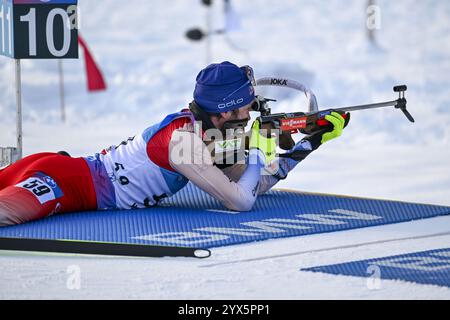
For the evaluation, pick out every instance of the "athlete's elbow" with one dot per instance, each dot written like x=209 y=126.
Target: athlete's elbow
x=240 y=206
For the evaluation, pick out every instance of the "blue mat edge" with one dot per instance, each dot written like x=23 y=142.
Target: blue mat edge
x=290 y=191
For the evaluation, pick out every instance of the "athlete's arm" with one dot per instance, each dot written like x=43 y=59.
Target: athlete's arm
x=303 y=149
x=286 y=165
x=189 y=156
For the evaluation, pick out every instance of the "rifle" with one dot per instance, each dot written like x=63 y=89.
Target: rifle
x=314 y=121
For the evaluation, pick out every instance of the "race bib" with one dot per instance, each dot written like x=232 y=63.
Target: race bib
x=43 y=187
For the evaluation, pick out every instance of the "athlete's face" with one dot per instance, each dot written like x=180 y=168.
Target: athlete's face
x=242 y=113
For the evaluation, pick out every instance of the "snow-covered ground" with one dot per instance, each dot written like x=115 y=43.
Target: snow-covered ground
x=263 y=270
x=150 y=69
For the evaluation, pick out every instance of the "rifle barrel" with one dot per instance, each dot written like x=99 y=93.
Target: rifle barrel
x=367 y=106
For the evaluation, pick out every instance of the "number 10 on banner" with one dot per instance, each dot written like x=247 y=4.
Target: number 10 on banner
x=38 y=29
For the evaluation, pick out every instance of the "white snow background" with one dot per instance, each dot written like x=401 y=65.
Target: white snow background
x=150 y=68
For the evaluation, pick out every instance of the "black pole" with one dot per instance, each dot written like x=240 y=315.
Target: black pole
x=99 y=248
x=400 y=103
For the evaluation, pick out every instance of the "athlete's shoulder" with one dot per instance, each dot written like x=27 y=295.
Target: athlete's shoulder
x=158 y=144
x=184 y=124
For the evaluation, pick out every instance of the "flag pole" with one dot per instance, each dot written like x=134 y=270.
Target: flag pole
x=19 y=109
x=61 y=90
x=208 y=38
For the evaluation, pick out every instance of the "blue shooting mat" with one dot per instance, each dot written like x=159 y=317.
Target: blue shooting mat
x=192 y=218
x=426 y=267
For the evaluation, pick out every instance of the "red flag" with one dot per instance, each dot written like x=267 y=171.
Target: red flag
x=94 y=75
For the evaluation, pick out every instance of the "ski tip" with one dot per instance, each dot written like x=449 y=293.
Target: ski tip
x=202 y=253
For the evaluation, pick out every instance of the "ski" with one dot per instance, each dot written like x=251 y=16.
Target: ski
x=99 y=248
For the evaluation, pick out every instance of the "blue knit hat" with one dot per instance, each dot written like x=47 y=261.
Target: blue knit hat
x=223 y=87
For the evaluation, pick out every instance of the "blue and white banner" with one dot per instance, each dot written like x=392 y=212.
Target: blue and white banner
x=426 y=267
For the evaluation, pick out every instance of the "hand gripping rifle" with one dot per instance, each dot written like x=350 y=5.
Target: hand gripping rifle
x=314 y=121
